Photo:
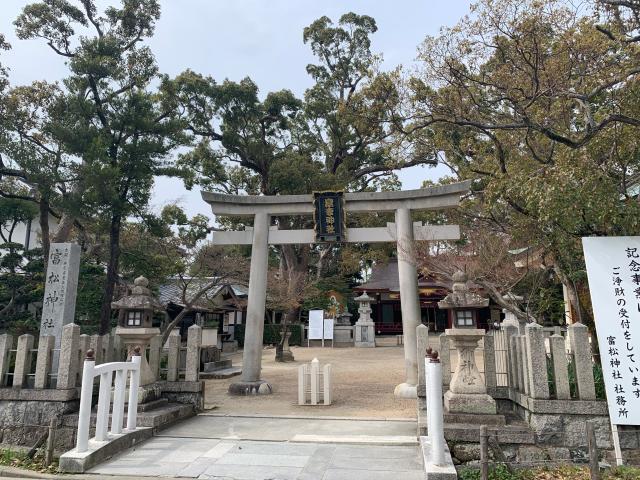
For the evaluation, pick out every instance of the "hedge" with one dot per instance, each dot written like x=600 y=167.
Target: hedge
x=272 y=334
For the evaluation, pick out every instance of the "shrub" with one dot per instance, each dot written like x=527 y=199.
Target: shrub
x=272 y=334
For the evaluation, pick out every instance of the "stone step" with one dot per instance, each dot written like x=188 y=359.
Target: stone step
x=473 y=419
x=389 y=440
x=152 y=405
x=157 y=418
x=217 y=365
x=221 y=374
x=506 y=434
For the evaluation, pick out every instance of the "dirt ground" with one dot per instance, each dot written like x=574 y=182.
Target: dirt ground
x=363 y=384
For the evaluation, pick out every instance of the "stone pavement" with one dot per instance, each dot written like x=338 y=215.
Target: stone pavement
x=239 y=448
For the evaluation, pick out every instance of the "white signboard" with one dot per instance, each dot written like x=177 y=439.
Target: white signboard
x=613 y=268
x=328 y=328
x=316 y=329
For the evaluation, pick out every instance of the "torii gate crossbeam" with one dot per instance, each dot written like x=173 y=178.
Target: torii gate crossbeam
x=404 y=232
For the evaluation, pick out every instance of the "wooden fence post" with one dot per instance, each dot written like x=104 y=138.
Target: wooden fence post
x=484 y=453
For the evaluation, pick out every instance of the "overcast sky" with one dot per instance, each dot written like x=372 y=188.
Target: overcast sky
x=261 y=39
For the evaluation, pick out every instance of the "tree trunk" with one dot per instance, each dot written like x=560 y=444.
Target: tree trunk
x=43 y=206
x=112 y=274
x=64 y=229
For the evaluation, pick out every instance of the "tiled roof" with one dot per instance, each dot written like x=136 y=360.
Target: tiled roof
x=171 y=291
x=384 y=276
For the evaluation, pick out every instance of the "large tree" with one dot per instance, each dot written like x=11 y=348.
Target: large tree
x=540 y=107
x=114 y=120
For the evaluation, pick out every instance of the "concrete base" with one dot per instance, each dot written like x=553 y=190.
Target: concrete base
x=477 y=403
x=250 y=388
x=74 y=462
x=437 y=472
x=406 y=390
x=230 y=346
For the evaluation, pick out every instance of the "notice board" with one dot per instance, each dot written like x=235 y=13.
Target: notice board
x=613 y=269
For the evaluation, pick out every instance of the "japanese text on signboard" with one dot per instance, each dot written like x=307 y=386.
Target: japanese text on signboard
x=329 y=216
x=613 y=268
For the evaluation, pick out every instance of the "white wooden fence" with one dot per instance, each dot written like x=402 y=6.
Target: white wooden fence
x=106 y=371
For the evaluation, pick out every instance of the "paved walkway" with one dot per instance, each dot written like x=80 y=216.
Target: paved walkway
x=261 y=448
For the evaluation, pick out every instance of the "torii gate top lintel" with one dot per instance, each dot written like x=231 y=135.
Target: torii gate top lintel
x=431 y=198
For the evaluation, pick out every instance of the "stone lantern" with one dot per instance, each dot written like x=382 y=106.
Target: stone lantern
x=365 y=328
x=467 y=391
x=135 y=313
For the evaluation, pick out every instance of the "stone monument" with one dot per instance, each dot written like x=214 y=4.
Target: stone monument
x=60 y=289
x=467 y=391
x=365 y=331
x=135 y=313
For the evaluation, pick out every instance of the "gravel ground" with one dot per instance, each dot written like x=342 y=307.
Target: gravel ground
x=363 y=383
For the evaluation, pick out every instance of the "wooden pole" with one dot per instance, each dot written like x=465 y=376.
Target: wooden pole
x=51 y=439
x=594 y=467
x=484 y=453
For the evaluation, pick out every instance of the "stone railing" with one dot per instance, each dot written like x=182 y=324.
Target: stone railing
x=28 y=366
x=24 y=365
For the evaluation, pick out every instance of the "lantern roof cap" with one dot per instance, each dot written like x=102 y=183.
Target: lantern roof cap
x=363 y=298
x=461 y=296
x=141 y=298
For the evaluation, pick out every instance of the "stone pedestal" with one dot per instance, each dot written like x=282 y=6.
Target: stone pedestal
x=467 y=392
x=139 y=337
x=284 y=353
x=365 y=334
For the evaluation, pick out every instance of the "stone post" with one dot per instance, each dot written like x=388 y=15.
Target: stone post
x=490 y=379
x=173 y=357
x=252 y=355
x=582 y=361
x=510 y=331
x=23 y=360
x=46 y=344
x=523 y=360
x=6 y=344
x=409 y=301
x=537 y=362
x=422 y=337
x=154 y=355
x=514 y=368
x=560 y=367
x=68 y=365
x=107 y=347
x=194 y=342
x=95 y=343
x=445 y=359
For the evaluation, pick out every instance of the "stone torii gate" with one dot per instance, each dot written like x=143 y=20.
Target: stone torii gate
x=404 y=232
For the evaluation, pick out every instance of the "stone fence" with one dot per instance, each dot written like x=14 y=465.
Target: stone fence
x=27 y=365
x=548 y=380
x=33 y=391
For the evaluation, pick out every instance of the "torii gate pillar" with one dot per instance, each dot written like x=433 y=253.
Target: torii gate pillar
x=404 y=232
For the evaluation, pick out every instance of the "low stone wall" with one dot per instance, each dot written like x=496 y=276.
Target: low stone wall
x=25 y=413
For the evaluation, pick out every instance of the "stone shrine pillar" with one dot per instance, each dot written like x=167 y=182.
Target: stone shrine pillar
x=467 y=390
x=250 y=383
x=365 y=331
x=60 y=289
x=409 y=301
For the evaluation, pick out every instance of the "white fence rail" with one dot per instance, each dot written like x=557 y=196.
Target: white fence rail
x=105 y=371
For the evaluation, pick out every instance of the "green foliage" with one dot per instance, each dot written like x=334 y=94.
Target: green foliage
x=497 y=472
x=90 y=286
x=19 y=459
x=272 y=334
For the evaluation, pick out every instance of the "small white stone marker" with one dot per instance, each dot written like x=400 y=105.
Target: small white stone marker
x=309 y=383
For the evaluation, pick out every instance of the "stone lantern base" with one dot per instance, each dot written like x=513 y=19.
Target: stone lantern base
x=476 y=403
x=364 y=334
